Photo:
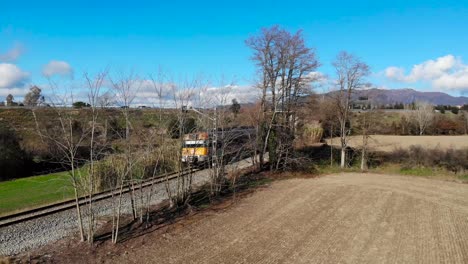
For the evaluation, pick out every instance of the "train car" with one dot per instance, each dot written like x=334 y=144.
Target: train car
x=228 y=144
x=197 y=147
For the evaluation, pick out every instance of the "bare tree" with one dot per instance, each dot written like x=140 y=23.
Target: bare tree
x=154 y=142
x=96 y=147
x=152 y=158
x=464 y=116
x=65 y=134
x=9 y=100
x=327 y=112
x=366 y=121
x=123 y=169
x=235 y=107
x=125 y=87
x=221 y=139
x=162 y=90
x=106 y=99
x=284 y=63
x=350 y=75
x=33 y=97
x=252 y=118
x=183 y=93
x=423 y=115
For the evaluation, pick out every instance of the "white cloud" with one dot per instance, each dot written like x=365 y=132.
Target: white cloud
x=245 y=94
x=395 y=73
x=198 y=97
x=13 y=54
x=16 y=92
x=225 y=95
x=149 y=88
x=446 y=73
x=176 y=93
x=316 y=77
x=11 y=76
x=455 y=81
x=431 y=69
x=60 y=68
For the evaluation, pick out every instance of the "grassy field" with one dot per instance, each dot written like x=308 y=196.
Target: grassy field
x=389 y=143
x=20 y=194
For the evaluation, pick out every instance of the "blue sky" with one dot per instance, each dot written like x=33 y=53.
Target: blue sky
x=192 y=37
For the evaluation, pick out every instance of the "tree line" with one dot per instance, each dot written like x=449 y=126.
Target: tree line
x=32 y=98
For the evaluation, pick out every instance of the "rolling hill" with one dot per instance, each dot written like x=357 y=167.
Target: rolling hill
x=406 y=96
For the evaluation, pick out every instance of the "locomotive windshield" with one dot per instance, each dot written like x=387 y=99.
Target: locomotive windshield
x=194 y=145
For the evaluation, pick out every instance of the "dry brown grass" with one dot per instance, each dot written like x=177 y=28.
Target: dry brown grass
x=389 y=143
x=5 y=260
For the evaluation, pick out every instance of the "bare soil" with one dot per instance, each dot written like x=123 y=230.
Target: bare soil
x=341 y=218
x=389 y=142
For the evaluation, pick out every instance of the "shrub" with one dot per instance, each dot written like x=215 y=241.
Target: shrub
x=80 y=104
x=176 y=129
x=312 y=134
x=109 y=170
x=12 y=157
x=455 y=160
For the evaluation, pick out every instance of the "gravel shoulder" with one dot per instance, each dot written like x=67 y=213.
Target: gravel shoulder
x=341 y=218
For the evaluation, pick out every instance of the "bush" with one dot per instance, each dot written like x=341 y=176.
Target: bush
x=455 y=160
x=109 y=170
x=312 y=134
x=176 y=129
x=446 y=126
x=80 y=104
x=12 y=157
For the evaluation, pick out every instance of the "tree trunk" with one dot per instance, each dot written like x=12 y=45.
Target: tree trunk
x=331 y=146
x=364 y=160
x=78 y=212
x=343 y=157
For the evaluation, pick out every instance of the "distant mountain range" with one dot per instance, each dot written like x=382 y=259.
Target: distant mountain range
x=406 y=96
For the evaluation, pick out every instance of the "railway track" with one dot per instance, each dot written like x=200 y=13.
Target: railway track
x=69 y=204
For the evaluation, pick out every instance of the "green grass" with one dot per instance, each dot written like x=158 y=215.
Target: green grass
x=259 y=182
x=464 y=177
x=418 y=171
x=21 y=194
x=325 y=168
x=435 y=172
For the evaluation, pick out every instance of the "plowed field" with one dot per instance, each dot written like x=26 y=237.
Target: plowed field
x=343 y=218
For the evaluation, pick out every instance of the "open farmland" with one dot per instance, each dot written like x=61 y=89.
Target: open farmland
x=342 y=218
x=389 y=143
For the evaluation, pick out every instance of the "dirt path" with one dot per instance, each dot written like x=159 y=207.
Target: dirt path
x=347 y=218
